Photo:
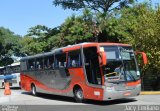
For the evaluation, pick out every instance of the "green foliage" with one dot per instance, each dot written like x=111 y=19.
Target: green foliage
x=102 y=9
x=140 y=26
x=9 y=46
x=76 y=29
x=38 y=40
x=102 y=6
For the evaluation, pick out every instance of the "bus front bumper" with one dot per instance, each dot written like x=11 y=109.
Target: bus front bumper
x=111 y=94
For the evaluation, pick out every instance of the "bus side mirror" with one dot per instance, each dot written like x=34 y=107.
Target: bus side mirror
x=144 y=57
x=103 y=58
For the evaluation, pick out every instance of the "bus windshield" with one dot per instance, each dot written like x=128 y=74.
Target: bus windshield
x=121 y=64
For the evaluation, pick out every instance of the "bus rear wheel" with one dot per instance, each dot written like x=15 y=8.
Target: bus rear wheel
x=34 y=92
x=78 y=94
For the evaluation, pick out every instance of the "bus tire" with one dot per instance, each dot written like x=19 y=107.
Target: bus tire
x=3 y=85
x=20 y=84
x=34 y=92
x=78 y=95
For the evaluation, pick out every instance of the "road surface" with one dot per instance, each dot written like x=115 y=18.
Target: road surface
x=45 y=102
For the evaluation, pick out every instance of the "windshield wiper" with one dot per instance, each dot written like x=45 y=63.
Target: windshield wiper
x=125 y=50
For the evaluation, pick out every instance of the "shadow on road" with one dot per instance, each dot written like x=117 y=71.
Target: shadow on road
x=15 y=88
x=89 y=102
x=52 y=97
x=111 y=102
x=12 y=88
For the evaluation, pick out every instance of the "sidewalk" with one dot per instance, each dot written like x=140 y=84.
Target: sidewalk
x=150 y=93
x=1 y=92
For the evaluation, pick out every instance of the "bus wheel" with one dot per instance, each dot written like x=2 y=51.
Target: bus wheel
x=20 y=84
x=34 y=90
x=2 y=84
x=78 y=94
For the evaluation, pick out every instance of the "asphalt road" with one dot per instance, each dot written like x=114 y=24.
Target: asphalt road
x=23 y=101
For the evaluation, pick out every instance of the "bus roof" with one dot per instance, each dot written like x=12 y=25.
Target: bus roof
x=15 y=64
x=38 y=55
x=85 y=44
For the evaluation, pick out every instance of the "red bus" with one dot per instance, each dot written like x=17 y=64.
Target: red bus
x=97 y=71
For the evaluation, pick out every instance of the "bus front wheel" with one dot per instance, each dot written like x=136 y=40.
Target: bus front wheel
x=34 y=92
x=78 y=94
x=3 y=85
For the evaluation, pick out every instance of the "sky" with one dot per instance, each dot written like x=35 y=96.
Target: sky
x=20 y=15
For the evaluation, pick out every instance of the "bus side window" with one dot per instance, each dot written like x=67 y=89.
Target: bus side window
x=45 y=62
x=23 y=66
x=31 y=64
x=39 y=63
x=49 y=62
x=74 y=59
x=60 y=60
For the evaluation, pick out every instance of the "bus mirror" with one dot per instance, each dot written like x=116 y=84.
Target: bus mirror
x=144 y=57
x=103 y=58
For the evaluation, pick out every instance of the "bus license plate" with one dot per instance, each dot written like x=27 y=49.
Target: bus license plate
x=127 y=94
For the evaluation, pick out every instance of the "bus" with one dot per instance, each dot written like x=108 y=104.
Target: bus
x=2 y=77
x=11 y=74
x=84 y=71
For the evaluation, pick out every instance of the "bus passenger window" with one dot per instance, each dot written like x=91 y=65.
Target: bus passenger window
x=39 y=63
x=65 y=64
x=73 y=63
x=31 y=64
x=23 y=66
x=60 y=60
x=31 y=68
x=46 y=63
x=74 y=59
x=49 y=62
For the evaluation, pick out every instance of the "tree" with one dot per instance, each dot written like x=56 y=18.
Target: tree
x=38 y=31
x=140 y=26
x=9 y=46
x=102 y=6
x=38 y=40
x=76 y=29
x=102 y=9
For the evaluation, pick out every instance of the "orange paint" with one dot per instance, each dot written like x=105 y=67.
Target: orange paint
x=133 y=83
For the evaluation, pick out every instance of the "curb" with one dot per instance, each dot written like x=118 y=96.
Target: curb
x=150 y=93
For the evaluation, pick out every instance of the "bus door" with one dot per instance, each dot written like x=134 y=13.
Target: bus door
x=2 y=77
x=61 y=77
x=92 y=68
